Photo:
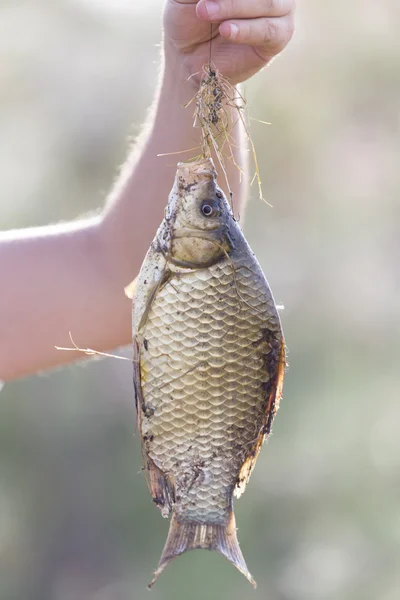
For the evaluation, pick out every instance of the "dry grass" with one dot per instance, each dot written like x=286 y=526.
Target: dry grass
x=219 y=107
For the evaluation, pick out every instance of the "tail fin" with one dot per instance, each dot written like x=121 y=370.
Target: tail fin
x=188 y=535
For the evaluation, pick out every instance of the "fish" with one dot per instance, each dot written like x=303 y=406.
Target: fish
x=209 y=362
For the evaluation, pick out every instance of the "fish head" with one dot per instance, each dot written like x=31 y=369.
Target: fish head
x=198 y=216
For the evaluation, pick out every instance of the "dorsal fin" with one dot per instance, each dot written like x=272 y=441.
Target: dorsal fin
x=270 y=412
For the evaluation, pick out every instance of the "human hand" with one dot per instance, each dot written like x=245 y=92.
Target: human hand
x=247 y=34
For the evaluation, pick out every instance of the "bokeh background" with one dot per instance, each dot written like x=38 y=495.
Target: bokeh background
x=320 y=519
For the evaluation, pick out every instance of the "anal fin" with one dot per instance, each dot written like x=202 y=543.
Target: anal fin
x=161 y=488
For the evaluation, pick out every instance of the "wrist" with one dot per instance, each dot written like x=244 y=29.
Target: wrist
x=171 y=121
x=177 y=77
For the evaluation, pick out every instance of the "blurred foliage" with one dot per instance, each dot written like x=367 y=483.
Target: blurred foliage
x=320 y=518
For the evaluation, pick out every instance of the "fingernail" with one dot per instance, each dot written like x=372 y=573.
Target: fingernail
x=234 y=31
x=212 y=9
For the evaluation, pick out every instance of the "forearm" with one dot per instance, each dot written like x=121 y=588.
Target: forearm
x=71 y=277
x=53 y=281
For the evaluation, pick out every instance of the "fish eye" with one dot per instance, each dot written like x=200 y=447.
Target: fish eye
x=209 y=209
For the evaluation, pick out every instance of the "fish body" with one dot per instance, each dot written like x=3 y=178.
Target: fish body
x=208 y=360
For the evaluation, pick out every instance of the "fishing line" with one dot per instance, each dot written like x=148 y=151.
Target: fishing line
x=210 y=71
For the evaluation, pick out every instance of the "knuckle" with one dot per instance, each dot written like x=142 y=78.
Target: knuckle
x=271 y=31
x=273 y=7
x=278 y=32
x=279 y=7
x=229 y=7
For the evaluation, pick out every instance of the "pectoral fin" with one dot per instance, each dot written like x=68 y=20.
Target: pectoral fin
x=130 y=289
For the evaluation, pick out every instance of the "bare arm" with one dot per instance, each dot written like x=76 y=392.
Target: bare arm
x=71 y=277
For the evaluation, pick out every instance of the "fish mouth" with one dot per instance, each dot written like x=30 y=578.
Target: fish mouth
x=192 y=172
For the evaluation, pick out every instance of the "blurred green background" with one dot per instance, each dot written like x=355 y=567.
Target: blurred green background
x=320 y=519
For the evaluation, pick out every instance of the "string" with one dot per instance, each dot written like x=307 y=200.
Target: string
x=211 y=32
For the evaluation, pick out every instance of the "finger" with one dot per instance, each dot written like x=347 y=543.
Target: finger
x=270 y=35
x=221 y=10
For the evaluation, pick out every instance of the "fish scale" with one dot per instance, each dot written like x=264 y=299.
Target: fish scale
x=186 y=407
x=209 y=354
